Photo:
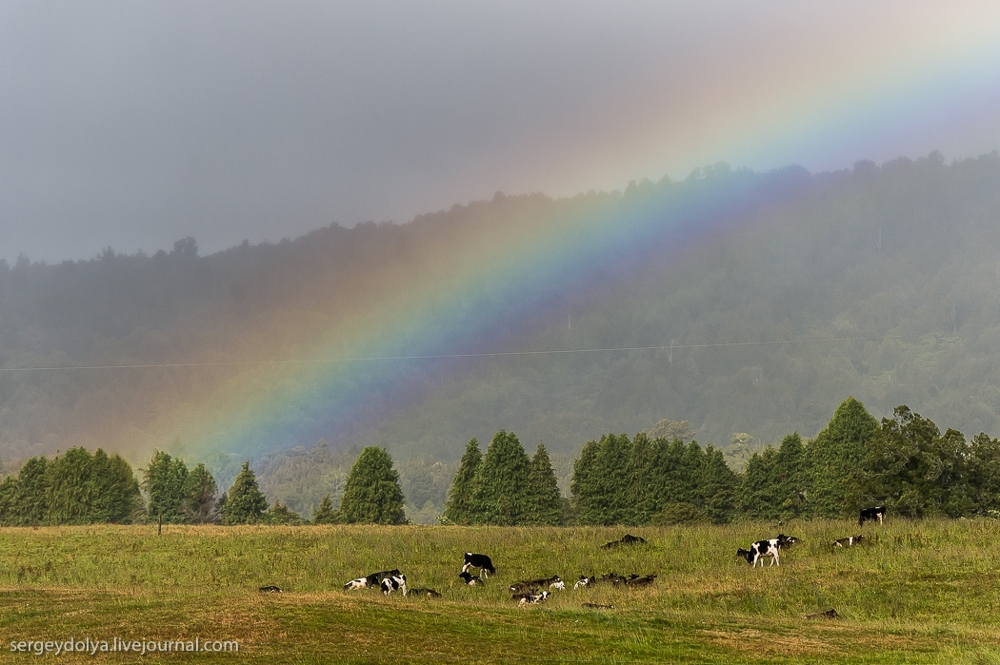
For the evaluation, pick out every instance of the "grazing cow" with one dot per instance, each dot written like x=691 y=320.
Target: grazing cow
x=270 y=588
x=850 y=541
x=763 y=548
x=480 y=561
x=470 y=579
x=430 y=593
x=527 y=598
x=627 y=539
x=394 y=583
x=373 y=580
x=871 y=514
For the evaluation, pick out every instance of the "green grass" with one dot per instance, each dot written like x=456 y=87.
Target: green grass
x=917 y=592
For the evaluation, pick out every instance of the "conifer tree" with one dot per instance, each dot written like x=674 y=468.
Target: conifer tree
x=244 y=504
x=29 y=504
x=836 y=458
x=501 y=491
x=325 y=514
x=458 y=509
x=199 y=503
x=372 y=494
x=164 y=481
x=544 y=499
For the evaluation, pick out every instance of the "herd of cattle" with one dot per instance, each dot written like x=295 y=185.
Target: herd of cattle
x=538 y=590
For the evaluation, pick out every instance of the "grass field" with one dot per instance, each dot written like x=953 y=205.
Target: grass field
x=916 y=592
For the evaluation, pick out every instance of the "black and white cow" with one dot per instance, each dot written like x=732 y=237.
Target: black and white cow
x=871 y=514
x=527 y=586
x=526 y=598
x=373 y=580
x=762 y=548
x=470 y=579
x=394 y=583
x=645 y=580
x=584 y=581
x=480 y=561
x=430 y=593
x=850 y=541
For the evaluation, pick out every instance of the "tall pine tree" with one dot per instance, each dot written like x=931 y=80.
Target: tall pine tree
x=372 y=494
x=501 y=482
x=244 y=503
x=458 y=509
x=544 y=499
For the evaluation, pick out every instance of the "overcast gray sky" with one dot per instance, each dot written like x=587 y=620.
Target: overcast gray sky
x=133 y=124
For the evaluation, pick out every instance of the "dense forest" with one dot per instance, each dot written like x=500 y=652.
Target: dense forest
x=877 y=282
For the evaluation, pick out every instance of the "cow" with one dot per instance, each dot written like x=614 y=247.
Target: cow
x=470 y=579
x=430 y=593
x=526 y=598
x=394 y=583
x=373 y=580
x=584 y=581
x=850 y=541
x=627 y=539
x=526 y=586
x=597 y=606
x=871 y=514
x=763 y=548
x=480 y=561
x=270 y=588
x=640 y=581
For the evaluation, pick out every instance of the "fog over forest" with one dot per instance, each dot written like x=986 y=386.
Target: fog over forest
x=877 y=282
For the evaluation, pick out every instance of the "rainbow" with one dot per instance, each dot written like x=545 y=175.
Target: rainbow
x=491 y=275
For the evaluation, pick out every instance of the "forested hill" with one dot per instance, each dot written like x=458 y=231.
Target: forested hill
x=879 y=282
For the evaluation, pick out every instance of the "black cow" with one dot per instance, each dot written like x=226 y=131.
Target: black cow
x=430 y=593
x=871 y=514
x=480 y=561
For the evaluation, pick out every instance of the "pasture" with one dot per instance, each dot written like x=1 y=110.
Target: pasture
x=914 y=591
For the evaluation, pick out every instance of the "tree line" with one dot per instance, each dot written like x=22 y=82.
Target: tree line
x=905 y=461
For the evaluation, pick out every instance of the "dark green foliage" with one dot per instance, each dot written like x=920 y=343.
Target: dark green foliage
x=280 y=514
x=199 y=504
x=501 y=483
x=324 y=513
x=164 y=481
x=372 y=494
x=28 y=503
x=836 y=462
x=83 y=489
x=616 y=481
x=544 y=505
x=458 y=510
x=244 y=503
x=679 y=513
x=922 y=471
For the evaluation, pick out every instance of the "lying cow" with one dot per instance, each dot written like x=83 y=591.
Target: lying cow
x=871 y=514
x=762 y=548
x=627 y=539
x=525 y=586
x=373 y=580
x=470 y=579
x=526 y=598
x=430 y=593
x=480 y=561
x=645 y=580
x=394 y=583
x=850 y=541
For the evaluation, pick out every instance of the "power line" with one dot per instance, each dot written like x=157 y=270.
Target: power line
x=443 y=356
